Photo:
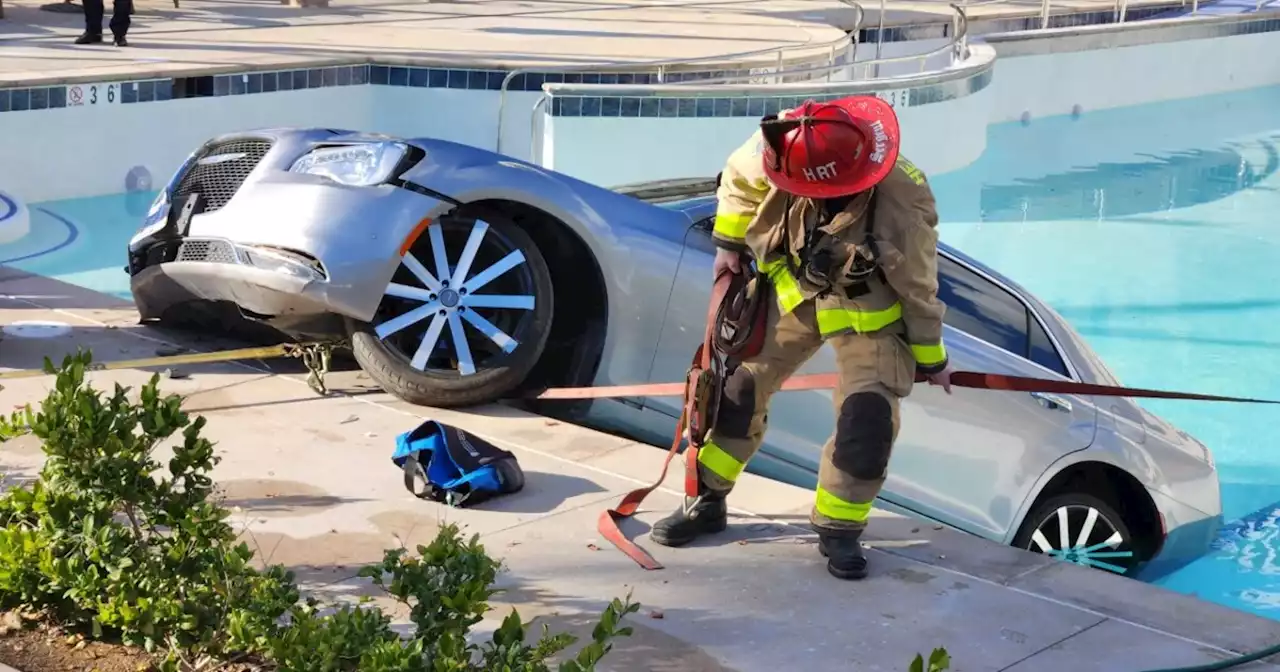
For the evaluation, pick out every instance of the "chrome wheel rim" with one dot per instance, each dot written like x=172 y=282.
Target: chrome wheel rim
x=1082 y=535
x=467 y=312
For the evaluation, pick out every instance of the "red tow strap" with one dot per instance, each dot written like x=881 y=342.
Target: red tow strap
x=608 y=524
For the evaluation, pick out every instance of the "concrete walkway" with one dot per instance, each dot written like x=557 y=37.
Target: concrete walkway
x=315 y=489
x=206 y=36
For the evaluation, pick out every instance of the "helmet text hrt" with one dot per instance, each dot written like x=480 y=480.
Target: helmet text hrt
x=822 y=173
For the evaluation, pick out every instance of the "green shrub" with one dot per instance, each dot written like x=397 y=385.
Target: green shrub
x=110 y=540
x=939 y=661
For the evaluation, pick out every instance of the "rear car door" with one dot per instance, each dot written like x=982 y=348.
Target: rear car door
x=970 y=458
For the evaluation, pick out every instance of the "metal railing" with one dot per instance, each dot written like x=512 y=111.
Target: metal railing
x=662 y=68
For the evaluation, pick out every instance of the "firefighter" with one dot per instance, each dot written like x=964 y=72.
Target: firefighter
x=843 y=228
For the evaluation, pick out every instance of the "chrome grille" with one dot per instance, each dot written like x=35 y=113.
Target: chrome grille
x=212 y=251
x=218 y=171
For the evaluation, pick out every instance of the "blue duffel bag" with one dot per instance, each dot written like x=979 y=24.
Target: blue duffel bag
x=445 y=464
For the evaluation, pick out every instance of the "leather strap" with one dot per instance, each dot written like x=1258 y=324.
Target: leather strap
x=608 y=523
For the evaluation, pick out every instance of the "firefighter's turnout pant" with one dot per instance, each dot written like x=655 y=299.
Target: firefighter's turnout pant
x=875 y=371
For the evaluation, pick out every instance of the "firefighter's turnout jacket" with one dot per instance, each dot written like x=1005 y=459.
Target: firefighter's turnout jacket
x=754 y=216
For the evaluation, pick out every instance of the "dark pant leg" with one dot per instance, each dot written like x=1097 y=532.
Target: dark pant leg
x=120 y=20
x=93 y=10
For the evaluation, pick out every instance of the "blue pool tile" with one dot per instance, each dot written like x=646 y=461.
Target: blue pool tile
x=496 y=78
x=4 y=100
x=360 y=75
x=609 y=78
x=129 y=93
x=553 y=77
x=329 y=77
x=723 y=107
x=650 y=107
x=570 y=107
x=589 y=78
x=164 y=89
x=438 y=78
x=239 y=84
x=519 y=83
x=315 y=78
x=19 y=100
x=630 y=107
x=419 y=77
x=458 y=79
x=146 y=92
x=342 y=76
x=477 y=80
x=590 y=107
x=221 y=85
x=755 y=107
x=533 y=81
x=668 y=107
x=39 y=99
x=379 y=74
x=704 y=107
x=254 y=85
x=57 y=96
x=610 y=106
x=739 y=107
x=686 y=107
x=269 y=83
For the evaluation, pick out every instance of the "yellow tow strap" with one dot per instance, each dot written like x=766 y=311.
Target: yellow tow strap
x=315 y=356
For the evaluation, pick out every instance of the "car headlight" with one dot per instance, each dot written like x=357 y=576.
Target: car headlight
x=356 y=165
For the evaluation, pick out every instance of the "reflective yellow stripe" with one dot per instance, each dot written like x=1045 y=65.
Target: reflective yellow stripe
x=720 y=463
x=784 y=285
x=835 y=508
x=732 y=224
x=929 y=354
x=836 y=320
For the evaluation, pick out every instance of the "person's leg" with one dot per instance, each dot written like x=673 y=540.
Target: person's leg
x=93 y=10
x=875 y=373
x=120 y=20
x=789 y=341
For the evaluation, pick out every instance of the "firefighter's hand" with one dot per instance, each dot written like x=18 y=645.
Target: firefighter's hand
x=726 y=260
x=942 y=378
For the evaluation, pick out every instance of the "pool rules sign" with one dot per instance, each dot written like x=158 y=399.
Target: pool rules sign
x=92 y=95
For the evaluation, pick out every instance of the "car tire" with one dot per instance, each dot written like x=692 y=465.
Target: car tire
x=1105 y=536
x=390 y=348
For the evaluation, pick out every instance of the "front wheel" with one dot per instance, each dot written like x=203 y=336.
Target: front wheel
x=1081 y=529
x=468 y=328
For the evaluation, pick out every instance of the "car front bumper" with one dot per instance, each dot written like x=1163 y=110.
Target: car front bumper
x=284 y=245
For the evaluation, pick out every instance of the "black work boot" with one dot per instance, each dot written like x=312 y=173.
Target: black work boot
x=843 y=552
x=696 y=517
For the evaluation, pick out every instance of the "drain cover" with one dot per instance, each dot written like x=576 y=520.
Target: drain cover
x=37 y=329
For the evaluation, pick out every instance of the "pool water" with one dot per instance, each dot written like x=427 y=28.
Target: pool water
x=1149 y=228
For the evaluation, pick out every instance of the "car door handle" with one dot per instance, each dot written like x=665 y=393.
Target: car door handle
x=1052 y=401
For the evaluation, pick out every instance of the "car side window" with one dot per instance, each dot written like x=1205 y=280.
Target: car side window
x=983 y=310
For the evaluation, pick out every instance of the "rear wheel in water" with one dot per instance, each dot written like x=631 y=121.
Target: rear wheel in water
x=1082 y=529
x=465 y=317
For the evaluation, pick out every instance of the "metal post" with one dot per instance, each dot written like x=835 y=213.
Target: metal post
x=831 y=63
x=1044 y=14
x=1195 y=7
x=777 y=73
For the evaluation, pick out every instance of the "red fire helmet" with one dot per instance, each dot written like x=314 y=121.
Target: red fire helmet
x=830 y=150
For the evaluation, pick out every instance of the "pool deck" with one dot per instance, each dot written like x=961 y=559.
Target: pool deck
x=322 y=497
x=211 y=36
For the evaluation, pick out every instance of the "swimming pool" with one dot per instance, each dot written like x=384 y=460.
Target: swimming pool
x=1146 y=227
x=1151 y=230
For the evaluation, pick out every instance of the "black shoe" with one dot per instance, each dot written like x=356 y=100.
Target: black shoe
x=89 y=38
x=843 y=552
x=120 y=42
x=707 y=515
